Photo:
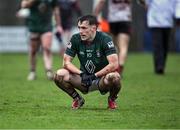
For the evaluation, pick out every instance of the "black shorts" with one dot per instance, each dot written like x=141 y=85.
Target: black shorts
x=120 y=27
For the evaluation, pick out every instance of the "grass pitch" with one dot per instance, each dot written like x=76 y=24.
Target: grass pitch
x=146 y=100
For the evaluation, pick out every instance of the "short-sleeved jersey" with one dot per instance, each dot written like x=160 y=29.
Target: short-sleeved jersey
x=160 y=13
x=119 y=10
x=40 y=19
x=93 y=56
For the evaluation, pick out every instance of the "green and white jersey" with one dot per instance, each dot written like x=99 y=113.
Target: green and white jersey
x=93 y=56
x=40 y=19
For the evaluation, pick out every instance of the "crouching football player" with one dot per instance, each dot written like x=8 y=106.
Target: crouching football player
x=98 y=64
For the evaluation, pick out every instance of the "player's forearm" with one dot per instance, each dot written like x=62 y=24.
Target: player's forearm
x=111 y=67
x=27 y=3
x=107 y=69
x=72 y=68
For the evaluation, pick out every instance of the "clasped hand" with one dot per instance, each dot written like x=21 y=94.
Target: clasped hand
x=86 y=79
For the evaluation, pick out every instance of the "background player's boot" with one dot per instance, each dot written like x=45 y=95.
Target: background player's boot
x=78 y=102
x=31 y=76
x=49 y=75
x=111 y=103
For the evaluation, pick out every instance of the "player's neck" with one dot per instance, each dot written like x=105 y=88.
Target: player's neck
x=92 y=37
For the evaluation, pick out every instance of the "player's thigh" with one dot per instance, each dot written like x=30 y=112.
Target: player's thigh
x=34 y=41
x=75 y=80
x=63 y=73
x=46 y=39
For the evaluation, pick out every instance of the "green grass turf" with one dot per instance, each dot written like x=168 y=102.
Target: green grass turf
x=146 y=100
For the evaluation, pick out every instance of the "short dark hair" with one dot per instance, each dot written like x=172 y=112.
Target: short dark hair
x=92 y=19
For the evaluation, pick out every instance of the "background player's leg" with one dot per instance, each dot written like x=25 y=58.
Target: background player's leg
x=33 y=48
x=46 y=39
x=122 y=41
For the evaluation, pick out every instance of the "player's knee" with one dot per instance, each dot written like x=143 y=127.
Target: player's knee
x=59 y=76
x=46 y=49
x=63 y=73
x=113 y=78
x=33 y=52
x=117 y=77
x=58 y=79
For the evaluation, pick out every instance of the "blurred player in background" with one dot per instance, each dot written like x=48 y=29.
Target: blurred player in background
x=160 y=20
x=119 y=18
x=177 y=31
x=66 y=9
x=98 y=60
x=39 y=23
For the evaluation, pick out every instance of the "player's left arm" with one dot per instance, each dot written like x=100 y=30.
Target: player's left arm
x=111 y=67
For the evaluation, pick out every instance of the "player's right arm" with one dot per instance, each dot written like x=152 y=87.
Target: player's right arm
x=67 y=64
x=27 y=3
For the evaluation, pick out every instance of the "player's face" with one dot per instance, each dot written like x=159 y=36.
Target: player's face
x=86 y=31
